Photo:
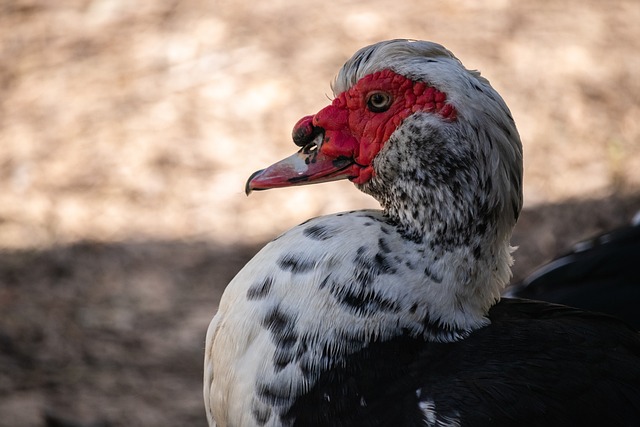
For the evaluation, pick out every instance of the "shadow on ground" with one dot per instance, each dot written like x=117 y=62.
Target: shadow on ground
x=112 y=334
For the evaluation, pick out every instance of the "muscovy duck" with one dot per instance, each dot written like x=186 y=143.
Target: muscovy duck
x=394 y=317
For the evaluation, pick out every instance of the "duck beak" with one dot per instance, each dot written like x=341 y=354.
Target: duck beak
x=307 y=166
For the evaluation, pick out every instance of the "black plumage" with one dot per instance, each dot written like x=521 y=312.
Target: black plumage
x=600 y=274
x=538 y=364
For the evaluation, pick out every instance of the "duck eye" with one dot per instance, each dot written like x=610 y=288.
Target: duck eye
x=378 y=102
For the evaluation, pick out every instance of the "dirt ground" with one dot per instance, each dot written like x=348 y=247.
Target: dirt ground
x=128 y=129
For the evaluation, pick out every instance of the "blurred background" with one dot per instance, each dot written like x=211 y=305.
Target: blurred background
x=128 y=129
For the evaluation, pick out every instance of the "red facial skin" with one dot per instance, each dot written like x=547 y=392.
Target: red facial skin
x=352 y=130
x=353 y=133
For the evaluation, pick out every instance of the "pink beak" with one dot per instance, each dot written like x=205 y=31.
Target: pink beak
x=307 y=166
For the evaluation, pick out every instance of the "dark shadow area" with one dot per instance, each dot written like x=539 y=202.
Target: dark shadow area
x=113 y=334
x=546 y=231
x=109 y=332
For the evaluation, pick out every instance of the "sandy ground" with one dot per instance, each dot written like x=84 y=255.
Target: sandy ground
x=127 y=130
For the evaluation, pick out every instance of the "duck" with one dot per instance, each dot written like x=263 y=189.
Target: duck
x=394 y=317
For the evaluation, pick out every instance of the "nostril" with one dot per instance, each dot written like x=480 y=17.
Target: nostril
x=304 y=131
x=310 y=148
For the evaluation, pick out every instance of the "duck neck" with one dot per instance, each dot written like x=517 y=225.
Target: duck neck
x=441 y=199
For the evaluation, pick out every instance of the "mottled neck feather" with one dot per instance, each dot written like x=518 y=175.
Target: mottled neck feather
x=446 y=188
